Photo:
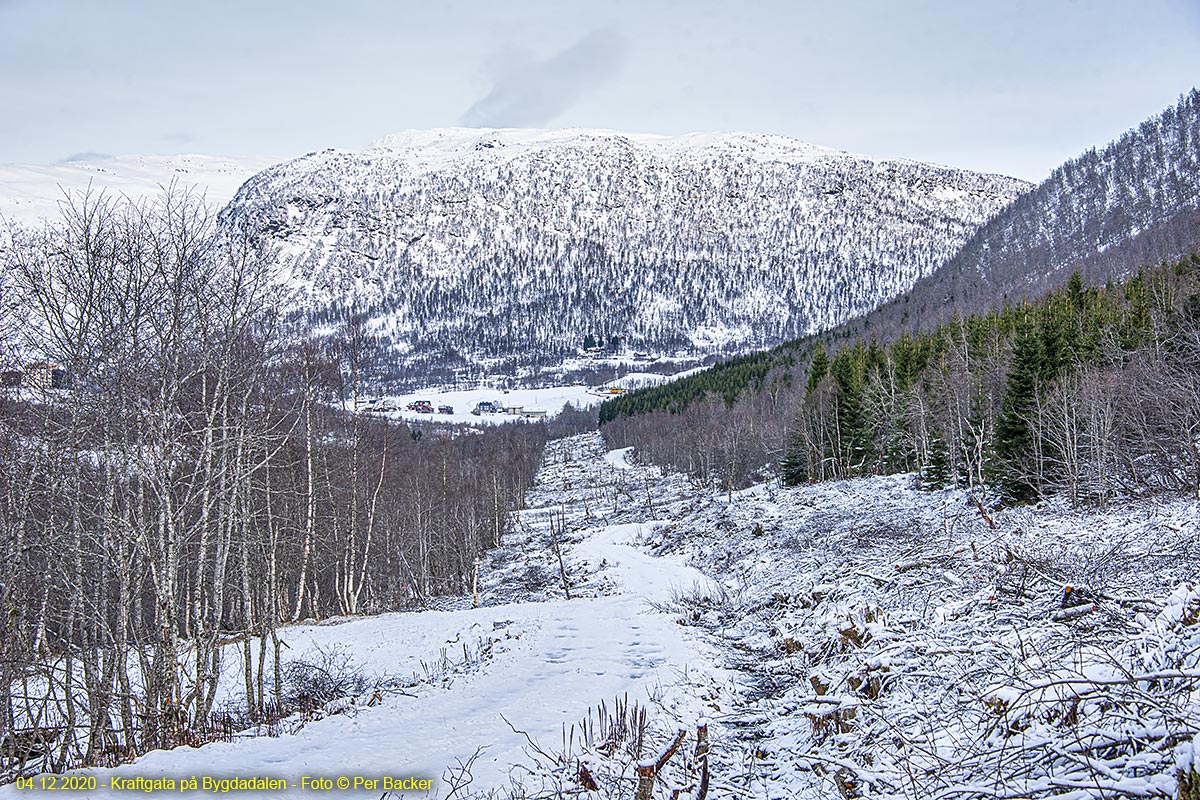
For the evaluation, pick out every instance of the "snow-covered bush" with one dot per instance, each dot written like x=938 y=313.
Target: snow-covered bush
x=326 y=676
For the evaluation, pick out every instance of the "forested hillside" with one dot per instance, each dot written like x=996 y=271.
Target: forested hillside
x=1092 y=392
x=1133 y=202
x=1105 y=214
x=476 y=251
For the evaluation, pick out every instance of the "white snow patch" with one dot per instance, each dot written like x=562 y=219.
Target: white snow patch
x=30 y=193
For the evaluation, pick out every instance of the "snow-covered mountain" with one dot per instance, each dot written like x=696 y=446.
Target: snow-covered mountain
x=29 y=193
x=508 y=247
x=1130 y=203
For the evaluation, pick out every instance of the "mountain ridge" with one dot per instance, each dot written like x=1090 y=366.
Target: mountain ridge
x=468 y=250
x=1132 y=201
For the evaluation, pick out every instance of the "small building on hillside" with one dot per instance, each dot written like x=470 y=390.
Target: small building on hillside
x=43 y=375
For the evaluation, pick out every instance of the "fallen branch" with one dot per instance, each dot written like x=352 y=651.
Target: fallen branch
x=982 y=511
x=1073 y=612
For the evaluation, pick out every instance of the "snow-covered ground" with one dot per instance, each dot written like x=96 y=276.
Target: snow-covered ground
x=550 y=399
x=31 y=192
x=852 y=639
x=472 y=675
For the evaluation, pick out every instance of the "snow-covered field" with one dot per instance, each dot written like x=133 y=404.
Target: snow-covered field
x=31 y=192
x=549 y=399
x=853 y=639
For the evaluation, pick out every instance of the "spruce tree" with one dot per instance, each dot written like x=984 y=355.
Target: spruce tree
x=851 y=420
x=794 y=466
x=936 y=474
x=1013 y=435
x=818 y=369
x=1075 y=292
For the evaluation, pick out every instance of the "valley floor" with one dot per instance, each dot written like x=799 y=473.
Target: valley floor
x=857 y=639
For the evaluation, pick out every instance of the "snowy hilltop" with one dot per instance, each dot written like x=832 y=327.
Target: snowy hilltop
x=30 y=193
x=477 y=246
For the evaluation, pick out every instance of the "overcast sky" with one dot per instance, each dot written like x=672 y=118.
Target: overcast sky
x=1013 y=87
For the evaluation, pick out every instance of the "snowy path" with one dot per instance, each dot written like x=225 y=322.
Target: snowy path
x=551 y=660
x=864 y=625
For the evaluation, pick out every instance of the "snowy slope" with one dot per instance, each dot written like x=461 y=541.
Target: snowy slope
x=1107 y=212
x=466 y=247
x=860 y=638
x=29 y=193
x=548 y=663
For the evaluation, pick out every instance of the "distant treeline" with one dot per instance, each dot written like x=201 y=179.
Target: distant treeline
x=1091 y=392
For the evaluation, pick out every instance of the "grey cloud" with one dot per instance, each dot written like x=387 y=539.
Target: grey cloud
x=86 y=155
x=532 y=93
x=178 y=138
